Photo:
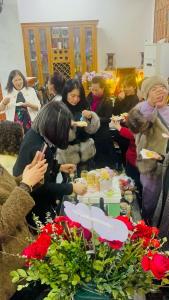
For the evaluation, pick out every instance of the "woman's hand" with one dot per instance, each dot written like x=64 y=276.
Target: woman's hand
x=68 y=168
x=79 y=188
x=87 y=114
x=115 y=124
x=34 y=174
x=5 y=101
x=30 y=105
x=157 y=156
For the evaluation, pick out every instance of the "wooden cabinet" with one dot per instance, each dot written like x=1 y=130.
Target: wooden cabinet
x=68 y=47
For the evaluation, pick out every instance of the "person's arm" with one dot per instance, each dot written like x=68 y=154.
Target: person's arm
x=25 y=157
x=126 y=133
x=19 y=202
x=33 y=102
x=4 y=103
x=14 y=210
x=58 y=190
x=93 y=123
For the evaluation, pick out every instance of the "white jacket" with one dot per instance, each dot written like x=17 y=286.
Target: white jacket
x=29 y=95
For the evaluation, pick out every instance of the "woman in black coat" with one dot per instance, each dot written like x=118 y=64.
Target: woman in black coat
x=50 y=130
x=100 y=102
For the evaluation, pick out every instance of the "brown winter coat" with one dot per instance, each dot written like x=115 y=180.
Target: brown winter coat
x=15 y=203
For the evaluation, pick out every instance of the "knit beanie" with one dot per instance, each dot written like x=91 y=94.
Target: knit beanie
x=151 y=82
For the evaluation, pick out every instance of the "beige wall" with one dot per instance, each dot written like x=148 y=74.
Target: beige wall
x=124 y=25
x=11 y=46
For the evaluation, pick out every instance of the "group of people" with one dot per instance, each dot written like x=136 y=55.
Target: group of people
x=68 y=134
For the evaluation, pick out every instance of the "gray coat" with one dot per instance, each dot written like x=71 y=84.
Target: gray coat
x=82 y=151
x=161 y=215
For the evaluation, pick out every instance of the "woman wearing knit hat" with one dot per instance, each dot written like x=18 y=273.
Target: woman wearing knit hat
x=155 y=91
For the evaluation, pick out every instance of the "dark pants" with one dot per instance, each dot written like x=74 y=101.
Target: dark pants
x=134 y=173
x=151 y=192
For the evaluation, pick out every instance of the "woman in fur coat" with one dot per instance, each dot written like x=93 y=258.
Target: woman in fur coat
x=15 y=204
x=81 y=148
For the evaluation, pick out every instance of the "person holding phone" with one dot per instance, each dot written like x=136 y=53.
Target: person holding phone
x=15 y=204
x=51 y=126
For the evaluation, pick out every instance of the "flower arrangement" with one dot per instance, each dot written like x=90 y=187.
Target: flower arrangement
x=88 y=76
x=88 y=251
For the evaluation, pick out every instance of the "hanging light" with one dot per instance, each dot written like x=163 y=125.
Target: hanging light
x=1 y=5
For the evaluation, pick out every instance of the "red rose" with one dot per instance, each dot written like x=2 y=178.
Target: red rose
x=159 y=265
x=141 y=230
x=61 y=219
x=155 y=243
x=52 y=228
x=115 y=244
x=112 y=244
x=155 y=231
x=101 y=240
x=145 y=263
x=87 y=234
x=72 y=224
x=126 y=221
x=146 y=242
x=39 y=248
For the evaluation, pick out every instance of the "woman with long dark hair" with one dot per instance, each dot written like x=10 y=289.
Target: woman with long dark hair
x=21 y=103
x=55 y=86
x=51 y=129
x=81 y=147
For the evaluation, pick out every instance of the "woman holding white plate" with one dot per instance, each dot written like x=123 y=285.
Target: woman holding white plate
x=21 y=103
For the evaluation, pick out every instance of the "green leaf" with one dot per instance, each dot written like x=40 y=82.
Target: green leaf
x=13 y=273
x=115 y=294
x=20 y=287
x=76 y=279
x=165 y=281
x=22 y=273
x=98 y=265
x=64 y=277
x=15 y=279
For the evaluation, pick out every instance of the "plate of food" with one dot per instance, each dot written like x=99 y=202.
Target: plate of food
x=148 y=154
x=116 y=118
x=80 y=124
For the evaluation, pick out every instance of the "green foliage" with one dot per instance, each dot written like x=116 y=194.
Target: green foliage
x=72 y=262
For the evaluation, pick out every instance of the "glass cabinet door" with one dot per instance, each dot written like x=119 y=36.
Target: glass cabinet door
x=77 y=50
x=60 y=38
x=33 y=55
x=88 y=49
x=43 y=53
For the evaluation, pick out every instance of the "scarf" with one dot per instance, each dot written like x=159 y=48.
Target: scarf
x=95 y=103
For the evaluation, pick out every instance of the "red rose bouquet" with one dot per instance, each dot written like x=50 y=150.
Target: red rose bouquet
x=88 y=252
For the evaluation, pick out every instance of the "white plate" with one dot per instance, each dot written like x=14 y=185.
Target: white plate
x=19 y=104
x=147 y=154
